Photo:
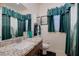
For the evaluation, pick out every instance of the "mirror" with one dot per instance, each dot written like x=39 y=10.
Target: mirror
x=26 y=25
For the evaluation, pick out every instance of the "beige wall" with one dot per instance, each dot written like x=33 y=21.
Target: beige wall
x=45 y=6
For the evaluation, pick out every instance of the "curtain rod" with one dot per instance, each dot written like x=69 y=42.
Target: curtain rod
x=41 y=16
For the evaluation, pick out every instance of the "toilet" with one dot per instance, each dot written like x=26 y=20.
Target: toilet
x=45 y=47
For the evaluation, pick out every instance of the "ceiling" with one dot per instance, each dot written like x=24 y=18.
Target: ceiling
x=15 y=6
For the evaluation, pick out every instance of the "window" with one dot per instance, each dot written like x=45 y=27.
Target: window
x=57 y=22
x=14 y=26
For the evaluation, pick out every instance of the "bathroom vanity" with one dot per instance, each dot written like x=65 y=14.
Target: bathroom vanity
x=36 y=50
x=21 y=47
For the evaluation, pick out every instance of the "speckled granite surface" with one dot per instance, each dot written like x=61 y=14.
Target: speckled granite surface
x=10 y=50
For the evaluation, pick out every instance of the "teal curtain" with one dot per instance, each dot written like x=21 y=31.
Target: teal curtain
x=65 y=18
x=67 y=49
x=50 y=21
x=77 y=33
x=24 y=22
x=61 y=24
x=6 y=27
x=24 y=26
x=29 y=25
x=65 y=27
x=20 y=28
x=72 y=42
x=29 y=22
x=63 y=21
x=69 y=38
x=51 y=24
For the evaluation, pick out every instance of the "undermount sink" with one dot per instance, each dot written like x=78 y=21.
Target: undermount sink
x=24 y=45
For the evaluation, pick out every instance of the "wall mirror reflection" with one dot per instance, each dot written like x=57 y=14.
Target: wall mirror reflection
x=26 y=21
x=14 y=26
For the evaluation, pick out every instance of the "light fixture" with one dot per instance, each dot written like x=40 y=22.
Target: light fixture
x=17 y=3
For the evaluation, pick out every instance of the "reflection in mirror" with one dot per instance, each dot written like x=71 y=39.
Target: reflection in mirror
x=26 y=25
x=14 y=26
x=26 y=29
x=0 y=27
x=57 y=22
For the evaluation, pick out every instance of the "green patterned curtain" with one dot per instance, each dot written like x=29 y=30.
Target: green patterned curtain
x=24 y=18
x=61 y=24
x=6 y=27
x=29 y=22
x=72 y=42
x=52 y=24
x=77 y=33
x=29 y=25
x=67 y=49
x=50 y=21
x=24 y=26
x=20 y=27
x=6 y=23
x=49 y=24
x=63 y=21
x=69 y=41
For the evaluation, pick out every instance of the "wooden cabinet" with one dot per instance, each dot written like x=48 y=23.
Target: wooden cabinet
x=36 y=50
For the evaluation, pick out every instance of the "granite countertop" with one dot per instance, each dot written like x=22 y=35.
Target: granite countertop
x=19 y=49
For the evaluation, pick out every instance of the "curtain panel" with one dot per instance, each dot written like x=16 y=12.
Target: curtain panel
x=29 y=25
x=50 y=21
x=77 y=33
x=6 y=27
x=68 y=42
